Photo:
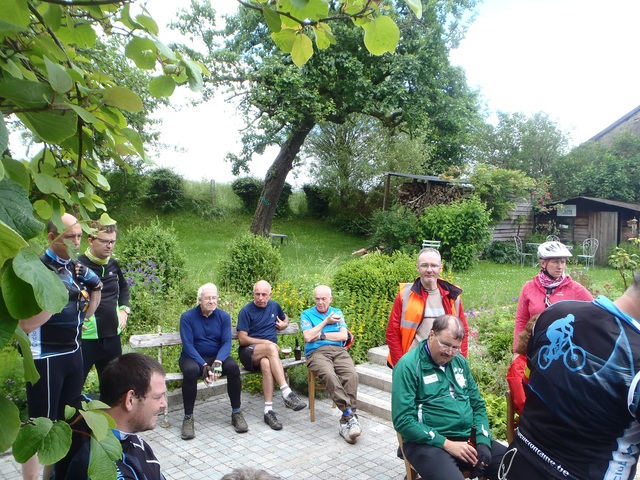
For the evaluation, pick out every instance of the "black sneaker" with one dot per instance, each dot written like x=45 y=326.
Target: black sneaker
x=294 y=403
x=239 y=423
x=271 y=420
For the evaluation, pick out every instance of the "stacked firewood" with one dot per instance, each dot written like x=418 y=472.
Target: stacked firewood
x=418 y=195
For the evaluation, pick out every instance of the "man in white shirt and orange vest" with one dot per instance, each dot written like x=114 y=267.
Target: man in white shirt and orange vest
x=419 y=303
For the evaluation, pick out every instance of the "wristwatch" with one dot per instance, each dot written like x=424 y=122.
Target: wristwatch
x=323 y=336
x=126 y=309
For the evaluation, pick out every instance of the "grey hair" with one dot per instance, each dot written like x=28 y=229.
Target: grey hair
x=204 y=287
x=428 y=250
x=323 y=286
x=249 y=473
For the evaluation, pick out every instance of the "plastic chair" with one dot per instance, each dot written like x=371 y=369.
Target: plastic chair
x=589 y=248
x=552 y=238
x=511 y=417
x=431 y=244
x=522 y=255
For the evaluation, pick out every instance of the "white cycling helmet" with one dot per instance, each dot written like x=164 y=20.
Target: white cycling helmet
x=553 y=250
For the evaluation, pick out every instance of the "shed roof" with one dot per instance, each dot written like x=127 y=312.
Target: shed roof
x=604 y=201
x=428 y=178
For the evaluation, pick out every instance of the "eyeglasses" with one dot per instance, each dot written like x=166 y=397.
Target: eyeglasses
x=104 y=241
x=425 y=266
x=209 y=299
x=446 y=347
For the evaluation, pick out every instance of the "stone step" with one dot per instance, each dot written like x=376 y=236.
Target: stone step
x=374 y=375
x=378 y=355
x=374 y=401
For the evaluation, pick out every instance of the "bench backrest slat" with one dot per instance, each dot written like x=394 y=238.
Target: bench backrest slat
x=173 y=338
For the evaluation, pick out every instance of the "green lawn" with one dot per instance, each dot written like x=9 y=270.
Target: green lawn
x=316 y=249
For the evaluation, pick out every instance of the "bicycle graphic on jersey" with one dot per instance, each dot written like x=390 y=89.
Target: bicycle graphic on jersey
x=560 y=334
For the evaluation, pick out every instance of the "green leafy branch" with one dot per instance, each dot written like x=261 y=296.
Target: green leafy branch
x=292 y=21
x=51 y=82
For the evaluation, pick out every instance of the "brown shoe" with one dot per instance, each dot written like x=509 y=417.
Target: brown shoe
x=188 y=432
x=239 y=423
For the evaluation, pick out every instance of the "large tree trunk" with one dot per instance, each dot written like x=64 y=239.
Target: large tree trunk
x=276 y=176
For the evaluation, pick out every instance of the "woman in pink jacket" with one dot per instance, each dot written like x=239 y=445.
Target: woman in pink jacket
x=550 y=285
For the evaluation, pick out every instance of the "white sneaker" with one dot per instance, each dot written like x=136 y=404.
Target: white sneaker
x=344 y=433
x=354 y=429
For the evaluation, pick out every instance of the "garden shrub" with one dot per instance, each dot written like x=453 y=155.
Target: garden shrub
x=501 y=253
x=165 y=190
x=375 y=275
x=251 y=258
x=126 y=194
x=248 y=189
x=317 y=200
x=283 y=209
x=396 y=229
x=154 y=266
x=366 y=317
x=490 y=354
x=462 y=227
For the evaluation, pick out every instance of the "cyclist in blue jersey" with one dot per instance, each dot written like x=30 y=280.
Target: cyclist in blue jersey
x=581 y=417
x=55 y=339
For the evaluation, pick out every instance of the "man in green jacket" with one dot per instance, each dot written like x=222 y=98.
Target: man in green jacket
x=435 y=404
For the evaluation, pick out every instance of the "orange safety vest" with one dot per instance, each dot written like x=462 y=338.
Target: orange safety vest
x=413 y=306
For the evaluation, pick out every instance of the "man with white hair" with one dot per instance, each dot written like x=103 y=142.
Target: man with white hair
x=205 y=331
x=325 y=334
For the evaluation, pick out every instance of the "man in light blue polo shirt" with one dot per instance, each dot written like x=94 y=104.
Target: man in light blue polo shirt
x=325 y=333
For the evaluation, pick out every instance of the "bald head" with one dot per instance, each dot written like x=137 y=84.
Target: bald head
x=261 y=293
x=70 y=238
x=322 y=297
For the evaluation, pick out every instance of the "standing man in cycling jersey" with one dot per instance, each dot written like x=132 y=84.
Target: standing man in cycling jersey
x=55 y=339
x=581 y=417
x=101 y=334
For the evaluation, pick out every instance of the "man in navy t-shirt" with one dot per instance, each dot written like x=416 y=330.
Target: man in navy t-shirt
x=258 y=322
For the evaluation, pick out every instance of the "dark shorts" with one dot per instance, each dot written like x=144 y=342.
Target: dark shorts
x=60 y=384
x=246 y=358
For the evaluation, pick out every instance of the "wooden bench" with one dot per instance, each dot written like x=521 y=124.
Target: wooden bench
x=281 y=236
x=161 y=339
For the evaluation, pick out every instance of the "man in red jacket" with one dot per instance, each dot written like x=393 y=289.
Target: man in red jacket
x=418 y=303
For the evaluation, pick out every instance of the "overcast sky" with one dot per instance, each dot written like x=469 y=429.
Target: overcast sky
x=576 y=60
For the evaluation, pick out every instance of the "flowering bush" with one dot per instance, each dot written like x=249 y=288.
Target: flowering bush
x=153 y=265
x=146 y=293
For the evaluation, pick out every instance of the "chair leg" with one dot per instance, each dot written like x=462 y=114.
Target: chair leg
x=411 y=472
x=311 y=380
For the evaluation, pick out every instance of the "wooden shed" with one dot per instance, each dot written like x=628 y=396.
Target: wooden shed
x=579 y=218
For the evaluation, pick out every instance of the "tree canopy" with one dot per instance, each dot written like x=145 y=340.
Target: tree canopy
x=416 y=88
x=531 y=144
x=597 y=170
